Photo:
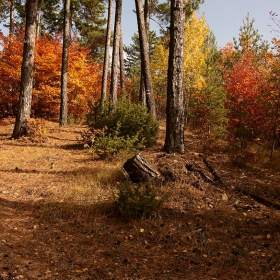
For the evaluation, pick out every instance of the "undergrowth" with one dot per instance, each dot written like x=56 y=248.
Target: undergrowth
x=124 y=127
x=137 y=200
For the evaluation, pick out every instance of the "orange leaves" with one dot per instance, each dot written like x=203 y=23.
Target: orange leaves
x=84 y=77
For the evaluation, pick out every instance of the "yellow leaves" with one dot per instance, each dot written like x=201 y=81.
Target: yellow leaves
x=196 y=51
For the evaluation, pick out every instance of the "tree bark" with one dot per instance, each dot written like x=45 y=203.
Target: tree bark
x=26 y=85
x=39 y=22
x=122 y=70
x=275 y=125
x=174 y=140
x=64 y=67
x=107 y=55
x=145 y=60
x=147 y=11
x=116 y=48
x=140 y=170
x=12 y=18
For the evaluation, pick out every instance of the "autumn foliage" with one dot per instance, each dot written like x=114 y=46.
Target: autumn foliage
x=252 y=96
x=83 y=81
x=231 y=91
x=246 y=102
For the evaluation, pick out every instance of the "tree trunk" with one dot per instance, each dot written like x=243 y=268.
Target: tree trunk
x=12 y=18
x=122 y=70
x=174 y=140
x=107 y=55
x=39 y=22
x=144 y=50
x=275 y=125
x=64 y=67
x=142 y=95
x=147 y=11
x=140 y=170
x=26 y=85
x=116 y=48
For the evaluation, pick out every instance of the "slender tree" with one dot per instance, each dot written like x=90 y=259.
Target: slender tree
x=122 y=69
x=64 y=67
x=107 y=54
x=144 y=50
x=147 y=11
x=26 y=86
x=12 y=18
x=174 y=140
x=116 y=48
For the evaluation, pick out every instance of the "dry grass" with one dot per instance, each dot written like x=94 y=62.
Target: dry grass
x=58 y=222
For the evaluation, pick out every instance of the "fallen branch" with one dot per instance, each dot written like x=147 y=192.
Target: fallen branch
x=216 y=176
x=258 y=198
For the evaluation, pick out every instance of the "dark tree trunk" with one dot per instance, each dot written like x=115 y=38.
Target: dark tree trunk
x=107 y=54
x=26 y=85
x=275 y=125
x=12 y=18
x=140 y=170
x=174 y=140
x=145 y=60
x=64 y=67
x=116 y=49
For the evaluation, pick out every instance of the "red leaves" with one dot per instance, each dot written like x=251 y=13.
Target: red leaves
x=247 y=98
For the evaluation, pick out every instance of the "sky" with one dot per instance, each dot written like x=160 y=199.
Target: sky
x=224 y=17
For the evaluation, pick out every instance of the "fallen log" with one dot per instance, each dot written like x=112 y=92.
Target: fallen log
x=140 y=170
x=258 y=198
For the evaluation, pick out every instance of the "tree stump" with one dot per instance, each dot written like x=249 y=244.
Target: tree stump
x=140 y=170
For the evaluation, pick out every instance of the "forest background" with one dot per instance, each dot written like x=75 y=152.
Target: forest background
x=230 y=92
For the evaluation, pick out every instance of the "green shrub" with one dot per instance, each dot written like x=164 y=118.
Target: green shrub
x=137 y=200
x=126 y=126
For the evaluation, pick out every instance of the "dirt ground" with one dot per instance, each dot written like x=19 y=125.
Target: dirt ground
x=57 y=220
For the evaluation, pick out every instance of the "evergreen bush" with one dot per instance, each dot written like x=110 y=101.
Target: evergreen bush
x=126 y=126
x=137 y=200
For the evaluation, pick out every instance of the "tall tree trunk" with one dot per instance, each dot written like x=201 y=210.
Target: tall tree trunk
x=107 y=54
x=275 y=124
x=39 y=22
x=26 y=84
x=116 y=48
x=12 y=18
x=174 y=140
x=64 y=67
x=147 y=11
x=121 y=56
x=144 y=50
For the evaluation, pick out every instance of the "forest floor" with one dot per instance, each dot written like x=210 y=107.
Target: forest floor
x=57 y=219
